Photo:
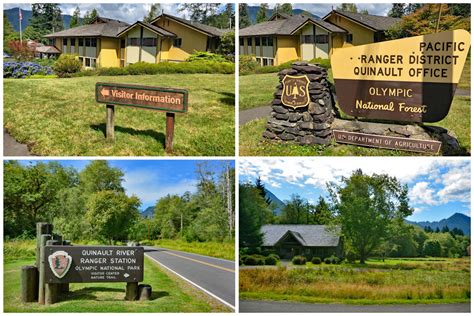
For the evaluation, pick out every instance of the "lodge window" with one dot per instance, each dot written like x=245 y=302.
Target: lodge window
x=122 y=43
x=73 y=42
x=308 y=39
x=81 y=42
x=257 y=41
x=322 y=39
x=270 y=41
x=89 y=62
x=88 y=42
x=241 y=41
x=51 y=42
x=249 y=41
x=93 y=42
x=379 y=37
x=149 y=42
x=177 y=42
x=133 y=41
x=349 y=38
x=264 y=41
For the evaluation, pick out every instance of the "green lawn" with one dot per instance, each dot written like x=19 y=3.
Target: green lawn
x=224 y=250
x=168 y=295
x=59 y=117
x=465 y=81
x=427 y=281
x=252 y=144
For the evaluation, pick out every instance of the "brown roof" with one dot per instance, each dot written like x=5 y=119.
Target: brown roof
x=47 y=49
x=101 y=27
x=152 y=27
x=287 y=25
x=209 y=30
x=374 y=22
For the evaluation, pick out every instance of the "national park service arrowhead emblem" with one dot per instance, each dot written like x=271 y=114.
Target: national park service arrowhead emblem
x=295 y=92
x=59 y=262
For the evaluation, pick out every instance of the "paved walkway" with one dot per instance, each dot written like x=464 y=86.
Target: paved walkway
x=290 y=307
x=13 y=148
x=246 y=116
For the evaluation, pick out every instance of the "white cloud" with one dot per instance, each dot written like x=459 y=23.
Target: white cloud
x=421 y=193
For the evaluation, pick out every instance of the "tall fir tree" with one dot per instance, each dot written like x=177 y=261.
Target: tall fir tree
x=244 y=19
x=155 y=11
x=397 y=10
x=76 y=18
x=262 y=13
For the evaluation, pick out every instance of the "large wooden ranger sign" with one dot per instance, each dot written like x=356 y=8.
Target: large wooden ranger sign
x=409 y=80
x=168 y=100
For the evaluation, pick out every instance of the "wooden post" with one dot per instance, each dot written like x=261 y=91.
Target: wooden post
x=144 y=292
x=169 y=132
x=131 y=291
x=52 y=290
x=29 y=286
x=42 y=266
x=110 y=122
x=41 y=229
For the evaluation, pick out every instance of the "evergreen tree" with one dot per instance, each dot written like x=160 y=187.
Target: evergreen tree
x=7 y=27
x=286 y=8
x=412 y=7
x=76 y=18
x=262 y=13
x=322 y=213
x=155 y=11
x=244 y=19
x=46 y=18
x=347 y=7
x=90 y=16
x=200 y=12
x=460 y=9
x=445 y=229
x=251 y=218
x=397 y=10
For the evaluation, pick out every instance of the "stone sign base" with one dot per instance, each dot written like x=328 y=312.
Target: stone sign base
x=449 y=144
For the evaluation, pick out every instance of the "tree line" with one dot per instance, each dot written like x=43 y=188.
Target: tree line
x=91 y=204
x=369 y=209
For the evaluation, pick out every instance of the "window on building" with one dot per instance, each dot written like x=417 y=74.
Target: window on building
x=379 y=37
x=308 y=39
x=81 y=42
x=73 y=42
x=122 y=43
x=88 y=42
x=349 y=38
x=88 y=62
x=270 y=41
x=257 y=41
x=177 y=42
x=322 y=39
x=259 y=60
x=249 y=41
x=51 y=42
x=93 y=42
x=264 y=41
x=241 y=41
x=133 y=41
x=65 y=41
x=149 y=41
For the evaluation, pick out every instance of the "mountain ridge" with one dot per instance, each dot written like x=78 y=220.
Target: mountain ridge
x=12 y=16
x=457 y=220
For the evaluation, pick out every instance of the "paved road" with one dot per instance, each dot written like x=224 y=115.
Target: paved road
x=287 y=307
x=13 y=148
x=216 y=277
x=246 y=116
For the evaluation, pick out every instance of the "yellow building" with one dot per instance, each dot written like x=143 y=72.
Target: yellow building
x=298 y=37
x=114 y=43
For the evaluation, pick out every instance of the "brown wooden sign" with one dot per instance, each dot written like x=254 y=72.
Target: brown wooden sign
x=387 y=142
x=411 y=79
x=295 y=91
x=169 y=100
x=84 y=264
x=148 y=97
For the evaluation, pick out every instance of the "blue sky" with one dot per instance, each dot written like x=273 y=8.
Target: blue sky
x=128 y=12
x=153 y=179
x=438 y=188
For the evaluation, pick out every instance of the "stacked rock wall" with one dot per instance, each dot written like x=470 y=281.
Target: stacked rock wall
x=307 y=125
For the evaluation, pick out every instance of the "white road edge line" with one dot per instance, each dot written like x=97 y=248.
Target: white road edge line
x=194 y=284
x=194 y=254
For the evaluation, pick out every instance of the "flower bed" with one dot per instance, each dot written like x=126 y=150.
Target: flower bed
x=24 y=69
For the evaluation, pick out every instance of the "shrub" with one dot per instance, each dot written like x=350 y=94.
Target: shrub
x=432 y=247
x=206 y=56
x=327 y=260
x=112 y=71
x=325 y=63
x=316 y=260
x=253 y=260
x=247 y=63
x=20 y=50
x=143 y=68
x=66 y=65
x=271 y=260
x=299 y=260
x=24 y=69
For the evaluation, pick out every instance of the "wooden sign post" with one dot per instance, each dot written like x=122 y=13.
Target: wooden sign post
x=168 y=100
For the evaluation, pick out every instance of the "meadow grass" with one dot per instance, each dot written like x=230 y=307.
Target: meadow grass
x=168 y=295
x=224 y=250
x=465 y=81
x=347 y=284
x=252 y=144
x=59 y=117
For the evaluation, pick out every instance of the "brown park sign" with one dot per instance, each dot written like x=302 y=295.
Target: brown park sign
x=387 y=142
x=295 y=92
x=411 y=79
x=78 y=264
x=148 y=97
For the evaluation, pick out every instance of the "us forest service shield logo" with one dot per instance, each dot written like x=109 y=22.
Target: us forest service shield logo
x=295 y=92
x=59 y=262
